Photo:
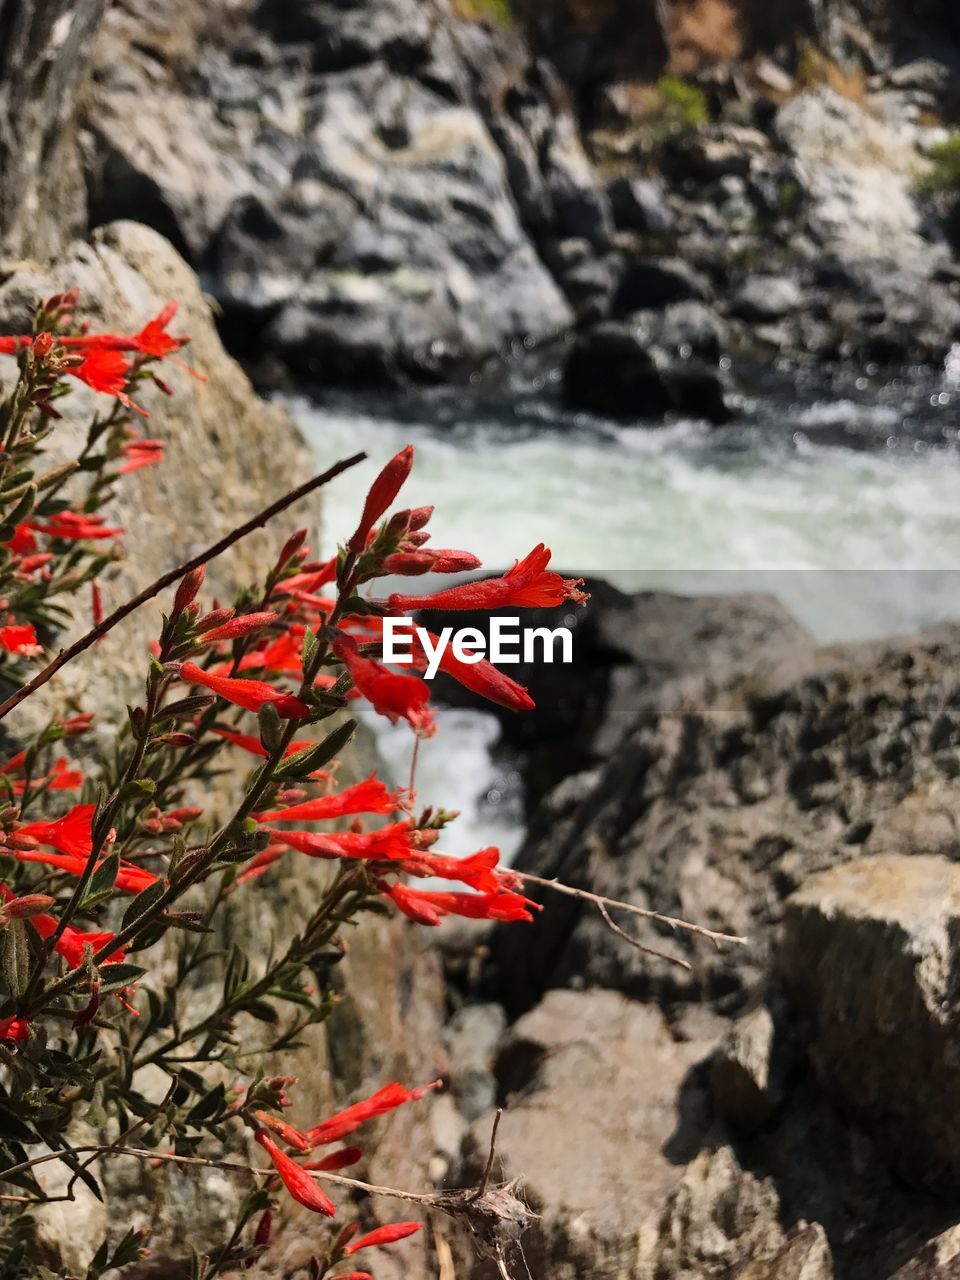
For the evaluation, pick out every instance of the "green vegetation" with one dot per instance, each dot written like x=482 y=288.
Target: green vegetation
x=681 y=103
x=944 y=171
x=498 y=11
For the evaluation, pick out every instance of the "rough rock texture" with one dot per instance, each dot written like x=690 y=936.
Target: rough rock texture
x=44 y=45
x=727 y=794
x=364 y=186
x=870 y=955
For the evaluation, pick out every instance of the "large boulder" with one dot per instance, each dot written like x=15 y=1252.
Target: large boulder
x=364 y=196
x=869 y=954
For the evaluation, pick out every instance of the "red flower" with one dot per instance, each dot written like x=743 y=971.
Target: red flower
x=130 y=878
x=250 y=694
x=14 y=1030
x=21 y=639
x=141 y=453
x=393 y=696
x=383 y=1235
x=479 y=870
x=60 y=778
x=72 y=526
x=298 y=1182
x=291 y=1136
x=480 y=677
x=69 y=834
x=23 y=542
x=72 y=943
x=528 y=585
x=106 y=371
x=336 y=1160
x=369 y=796
x=388 y=843
x=349 y=1120
x=153 y=339
x=382 y=493
x=236 y=628
x=426 y=907
x=411 y=563
x=248 y=743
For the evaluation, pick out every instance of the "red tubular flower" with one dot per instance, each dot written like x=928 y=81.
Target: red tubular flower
x=298 y=1182
x=369 y=796
x=291 y=1136
x=260 y=863
x=427 y=907
x=393 y=696
x=383 y=1235
x=20 y=639
x=69 y=834
x=236 y=628
x=411 y=563
x=388 y=843
x=106 y=371
x=480 y=677
x=342 y=1159
x=73 y=526
x=528 y=585
x=23 y=542
x=350 y=1119
x=73 y=942
x=14 y=1030
x=141 y=453
x=130 y=878
x=60 y=778
x=479 y=870
x=285 y=654
x=261 y=1236
x=353 y=1275
x=249 y=743
x=250 y=694
x=382 y=493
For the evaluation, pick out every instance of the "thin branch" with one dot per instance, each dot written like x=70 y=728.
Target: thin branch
x=174 y=575
x=488 y=1168
x=644 y=912
x=649 y=951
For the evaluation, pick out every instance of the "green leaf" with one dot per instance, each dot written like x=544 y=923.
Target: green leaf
x=271 y=726
x=311 y=758
x=104 y=878
x=143 y=903
x=209 y=1106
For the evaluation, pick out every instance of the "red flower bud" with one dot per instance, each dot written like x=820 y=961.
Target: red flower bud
x=382 y=493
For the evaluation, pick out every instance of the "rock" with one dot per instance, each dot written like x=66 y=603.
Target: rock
x=766 y=298
x=681 y=331
x=698 y=391
x=858 y=174
x=640 y=204
x=610 y=372
x=741 y=1077
x=363 y=201
x=718 y=151
x=717 y=1217
x=658 y=282
x=804 y=1256
x=472 y=1036
x=586 y=1077
x=868 y=954
x=43 y=60
x=726 y=791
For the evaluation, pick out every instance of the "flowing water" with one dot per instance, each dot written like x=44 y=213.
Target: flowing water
x=844 y=501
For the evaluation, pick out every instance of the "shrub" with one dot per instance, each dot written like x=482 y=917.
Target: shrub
x=943 y=175
x=112 y=880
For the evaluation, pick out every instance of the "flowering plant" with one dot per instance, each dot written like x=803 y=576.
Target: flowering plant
x=104 y=877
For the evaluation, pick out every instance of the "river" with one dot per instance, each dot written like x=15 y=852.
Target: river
x=841 y=500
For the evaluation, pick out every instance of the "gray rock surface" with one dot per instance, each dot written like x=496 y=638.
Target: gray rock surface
x=870 y=956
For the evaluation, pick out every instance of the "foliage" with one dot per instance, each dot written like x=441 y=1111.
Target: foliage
x=816 y=69
x=499 y=12
x=682 y=103
x=943 y=174
x=112 y=880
